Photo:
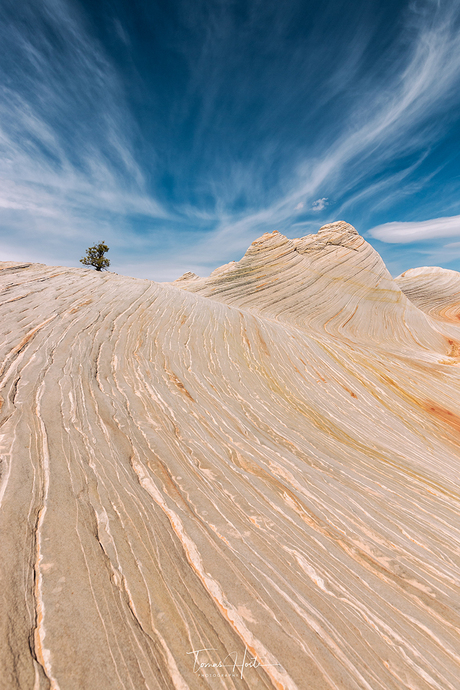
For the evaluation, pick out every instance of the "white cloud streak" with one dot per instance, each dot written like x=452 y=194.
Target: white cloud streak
x=407 y=232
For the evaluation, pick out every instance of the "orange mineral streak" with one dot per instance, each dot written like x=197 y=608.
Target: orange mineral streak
x=446 y=417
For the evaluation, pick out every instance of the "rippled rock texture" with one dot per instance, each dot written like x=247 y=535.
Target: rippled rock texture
x=242 y=481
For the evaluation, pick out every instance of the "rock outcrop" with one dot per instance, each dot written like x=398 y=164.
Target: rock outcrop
x=436 y=291
x=332 y=282
x=242 y=481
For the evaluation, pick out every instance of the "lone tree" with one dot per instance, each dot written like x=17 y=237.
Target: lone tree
x=95 y=257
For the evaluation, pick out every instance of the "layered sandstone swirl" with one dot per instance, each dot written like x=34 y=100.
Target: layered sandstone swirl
x=247 y=481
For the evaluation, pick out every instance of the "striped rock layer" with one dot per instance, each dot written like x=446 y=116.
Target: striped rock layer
x=243 y=481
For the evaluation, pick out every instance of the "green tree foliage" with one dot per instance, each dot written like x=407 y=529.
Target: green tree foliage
x=95 y=257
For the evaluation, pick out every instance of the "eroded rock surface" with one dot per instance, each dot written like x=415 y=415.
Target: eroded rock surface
x=263 y=464
x=436 y=291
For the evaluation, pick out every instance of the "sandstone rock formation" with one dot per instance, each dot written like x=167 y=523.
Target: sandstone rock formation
x=436 y=291
x=262 y=464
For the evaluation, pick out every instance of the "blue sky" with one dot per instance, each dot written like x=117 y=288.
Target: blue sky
x=179 y=131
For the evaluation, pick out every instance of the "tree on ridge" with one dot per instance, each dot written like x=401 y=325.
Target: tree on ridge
x=95 y=257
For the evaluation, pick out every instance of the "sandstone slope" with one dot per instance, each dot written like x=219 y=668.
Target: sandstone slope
x=263 y=464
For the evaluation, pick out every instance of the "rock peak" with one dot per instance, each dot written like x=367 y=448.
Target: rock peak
x=338 y=226
x=332 y=279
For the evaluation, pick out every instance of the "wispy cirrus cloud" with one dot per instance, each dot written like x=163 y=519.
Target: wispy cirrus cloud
x=397 y=113
x=192 y=131
x=68 y=167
